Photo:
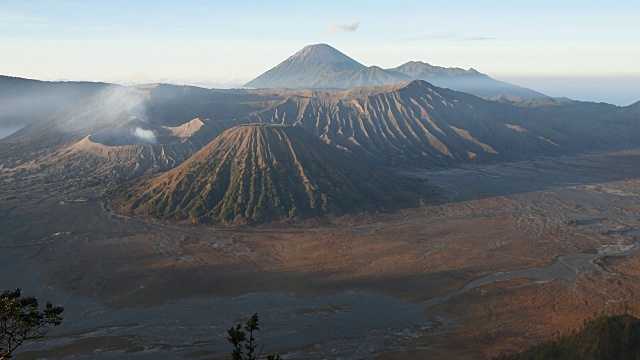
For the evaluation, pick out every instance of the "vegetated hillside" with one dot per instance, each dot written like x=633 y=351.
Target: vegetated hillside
x=258 y=173
x=322 y=66
x=25 y=101
x=418 y=123
x=611 y=337
x=470 y=81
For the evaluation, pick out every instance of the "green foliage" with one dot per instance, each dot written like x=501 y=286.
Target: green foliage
x=611 y=337
x=21 y=320
x=237 y=336
x=250 y=343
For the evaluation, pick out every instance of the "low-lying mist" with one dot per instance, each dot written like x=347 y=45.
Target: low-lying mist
x=617 y=90
x=24 y=101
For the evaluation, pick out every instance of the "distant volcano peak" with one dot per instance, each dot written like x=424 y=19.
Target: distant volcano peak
x=322 y=66
x=312 y=67
x=321 y=53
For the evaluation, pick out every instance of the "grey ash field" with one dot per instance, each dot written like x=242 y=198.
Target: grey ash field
x=390 y=221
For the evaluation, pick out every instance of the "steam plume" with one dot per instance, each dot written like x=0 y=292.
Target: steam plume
x=147 y=136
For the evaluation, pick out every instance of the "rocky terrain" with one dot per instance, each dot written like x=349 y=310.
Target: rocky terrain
x=517 y=252
x=259 y=173
x=419 y=124
x=133 y=149
x=124 y=132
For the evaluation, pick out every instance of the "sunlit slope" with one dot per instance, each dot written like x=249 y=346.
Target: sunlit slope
x=418 y=123
x=257 y=173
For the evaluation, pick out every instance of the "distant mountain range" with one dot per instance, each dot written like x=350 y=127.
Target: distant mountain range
x=417 y=123
x=322 y=66
x=340 y=138
x=124 y=132
x=25 y=101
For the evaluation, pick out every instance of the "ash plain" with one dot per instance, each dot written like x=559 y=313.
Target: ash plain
x=380 y=285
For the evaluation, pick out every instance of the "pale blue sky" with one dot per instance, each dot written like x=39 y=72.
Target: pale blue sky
x=229 y=42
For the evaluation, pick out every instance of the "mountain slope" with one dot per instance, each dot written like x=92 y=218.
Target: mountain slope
x=257 y=173
x=116 y=106
x=470 y=81
x=612 y=337
x=629 y=114
x=408 y=124
x=322 y=66
x=132 y=149
x=370 y=76
x=110 y=107
x=568 y=108
x=417 y=123
x=26 y=101
x=305 y=67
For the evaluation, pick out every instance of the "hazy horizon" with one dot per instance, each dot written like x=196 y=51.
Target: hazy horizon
x=554 y=48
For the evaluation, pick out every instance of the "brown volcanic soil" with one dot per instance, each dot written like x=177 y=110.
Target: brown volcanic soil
x=443 y=247
x=417 y=123
x=417 y=254
x=402 y=124
x=507 y=317
x=259 y=173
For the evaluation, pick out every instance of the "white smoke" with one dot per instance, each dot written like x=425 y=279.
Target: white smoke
x=113 y=106
x=146 y=136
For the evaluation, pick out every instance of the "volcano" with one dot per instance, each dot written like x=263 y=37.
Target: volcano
x=260 y=173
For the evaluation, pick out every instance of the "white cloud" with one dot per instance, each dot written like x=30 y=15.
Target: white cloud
x=448 y=36
x=350 y=26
